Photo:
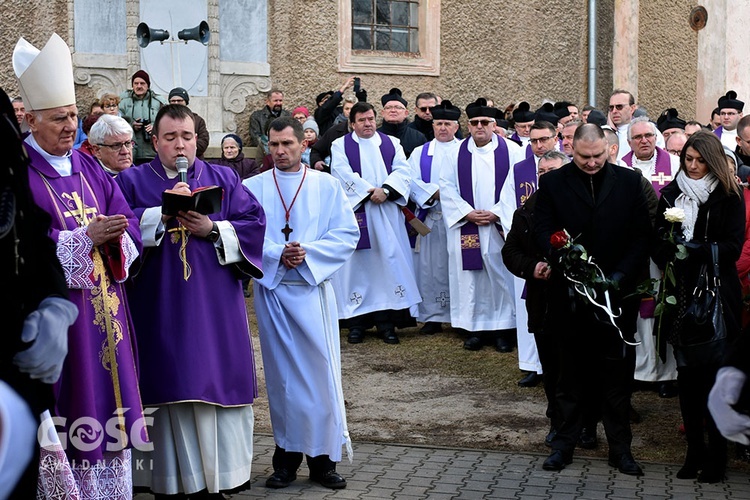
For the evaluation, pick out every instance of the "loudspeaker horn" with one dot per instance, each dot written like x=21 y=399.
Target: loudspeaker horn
x=200 y=33
x=147 y=35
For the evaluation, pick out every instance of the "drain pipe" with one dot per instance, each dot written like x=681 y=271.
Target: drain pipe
x=592 y=53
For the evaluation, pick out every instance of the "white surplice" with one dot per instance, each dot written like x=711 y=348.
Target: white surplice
x=381 y=277
x=482 y=299
x=431 y=251
x=296 y=310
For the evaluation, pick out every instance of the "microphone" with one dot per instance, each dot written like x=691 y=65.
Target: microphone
x=182 y=166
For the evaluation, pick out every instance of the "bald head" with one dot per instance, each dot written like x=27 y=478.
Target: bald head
x=588 y=132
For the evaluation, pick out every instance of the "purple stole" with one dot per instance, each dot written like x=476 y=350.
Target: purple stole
x=351 y=149
x=662 y=170
x=425 y=169
x=524 y=173
x=718 y=131
x=471 y=253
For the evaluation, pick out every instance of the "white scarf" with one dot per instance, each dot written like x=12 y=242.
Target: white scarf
x=695 y=192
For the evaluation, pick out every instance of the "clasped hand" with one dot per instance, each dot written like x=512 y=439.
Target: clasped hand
x=482 y=217
x=293 y=255
x=103 y=228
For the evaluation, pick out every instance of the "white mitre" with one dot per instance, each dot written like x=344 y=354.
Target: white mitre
x=45 y=77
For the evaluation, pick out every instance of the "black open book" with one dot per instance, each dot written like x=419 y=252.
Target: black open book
x=205 y=200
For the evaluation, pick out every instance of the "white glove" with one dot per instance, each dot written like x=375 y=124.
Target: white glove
x=725 y=393
x=47 y=328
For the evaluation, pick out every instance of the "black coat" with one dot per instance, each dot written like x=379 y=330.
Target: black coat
x=521 y=255
x=614 y=227
x=322 y=147
x=721 y=219
x=410 y=138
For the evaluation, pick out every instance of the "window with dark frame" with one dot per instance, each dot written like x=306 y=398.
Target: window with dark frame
x=387 y=25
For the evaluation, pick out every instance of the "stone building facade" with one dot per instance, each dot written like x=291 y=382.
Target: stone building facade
x=507 y=50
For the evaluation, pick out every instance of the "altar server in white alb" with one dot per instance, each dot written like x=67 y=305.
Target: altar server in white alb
x=481 y=287
x=377 y=285
x=310 y=232
x=431 y=251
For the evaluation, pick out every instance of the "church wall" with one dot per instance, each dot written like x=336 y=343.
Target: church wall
x=667 y=55
x=35 y=20
x=529 y=51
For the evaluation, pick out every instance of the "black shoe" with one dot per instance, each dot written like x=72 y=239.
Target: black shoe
x=688 y=471
x=356 y=336
x=531 y=379
x=331 y=479
x=587 y=440
x=431 y=328
x=389 y=336
x=247 y=293
x=280 y=479
x=693 y=463
x=667 y=389
x=503 y=345
x=626 y=464
x=557 y=461
x=550 y=437
x=473 y=344
x=711 y=475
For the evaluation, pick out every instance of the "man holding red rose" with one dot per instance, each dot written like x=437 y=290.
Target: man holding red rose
x=604 y=206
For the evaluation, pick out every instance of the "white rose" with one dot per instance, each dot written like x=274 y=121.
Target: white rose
x=674 y=214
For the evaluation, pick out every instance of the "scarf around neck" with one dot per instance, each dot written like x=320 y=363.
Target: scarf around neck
x=695 y=192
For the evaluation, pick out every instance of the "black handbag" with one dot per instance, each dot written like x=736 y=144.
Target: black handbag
x=703 y=335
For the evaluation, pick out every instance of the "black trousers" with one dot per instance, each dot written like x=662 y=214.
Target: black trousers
x=291 y=460
x=694 y=384
x=548 y=347
x=596 y=373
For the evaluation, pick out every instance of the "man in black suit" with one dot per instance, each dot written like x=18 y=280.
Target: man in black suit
x=604 y=208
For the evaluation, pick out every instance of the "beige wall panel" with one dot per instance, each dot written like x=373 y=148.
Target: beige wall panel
x=667 y=55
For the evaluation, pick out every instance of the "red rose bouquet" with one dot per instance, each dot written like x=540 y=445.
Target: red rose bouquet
x=586 y=278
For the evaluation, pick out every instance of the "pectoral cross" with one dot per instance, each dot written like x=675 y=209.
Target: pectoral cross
x=287 y=230
x=661 y=178
x=80 y=211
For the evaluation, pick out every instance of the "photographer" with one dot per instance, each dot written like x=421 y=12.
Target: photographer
x=139 y=107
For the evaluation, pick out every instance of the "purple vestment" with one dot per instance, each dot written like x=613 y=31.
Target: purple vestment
x=662 y=168
x=194 y=342
x=100 y=371
x=524 y=175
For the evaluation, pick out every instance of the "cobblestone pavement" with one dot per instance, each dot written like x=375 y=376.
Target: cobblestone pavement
x=382 y=471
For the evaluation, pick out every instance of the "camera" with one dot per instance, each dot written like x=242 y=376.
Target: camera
x=146 y=134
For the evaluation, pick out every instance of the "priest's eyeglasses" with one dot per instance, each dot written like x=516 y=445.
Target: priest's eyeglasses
x=618 y=107
x=117 y=146
x=541 y=139
x=484 y=123
x=640 y=137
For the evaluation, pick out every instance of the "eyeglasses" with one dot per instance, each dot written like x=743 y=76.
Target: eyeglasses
x=119 y=145
x=394 y=108
x=484 y=123
x=618 y=107
x=676 y=152
x=728 y=113
x=541 y=139
x=110 y=106
x=640 y=137
x=424 y=109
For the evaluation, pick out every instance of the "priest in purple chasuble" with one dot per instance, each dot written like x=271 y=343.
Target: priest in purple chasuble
x=519 y=186
x=481 y=287
x=194 y=344
x=658 y=167
x=431 y=250
x=311 y=232
x=98 y=404
x=377 y=285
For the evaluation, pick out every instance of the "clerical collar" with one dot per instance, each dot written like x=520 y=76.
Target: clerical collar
x=489 y=147
x=171 y=174
x=432 y=145
x=651 y=161
x=107 y=169
x=61 y=164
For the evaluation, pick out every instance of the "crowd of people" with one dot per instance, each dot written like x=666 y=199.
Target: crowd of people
x=137 y=333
